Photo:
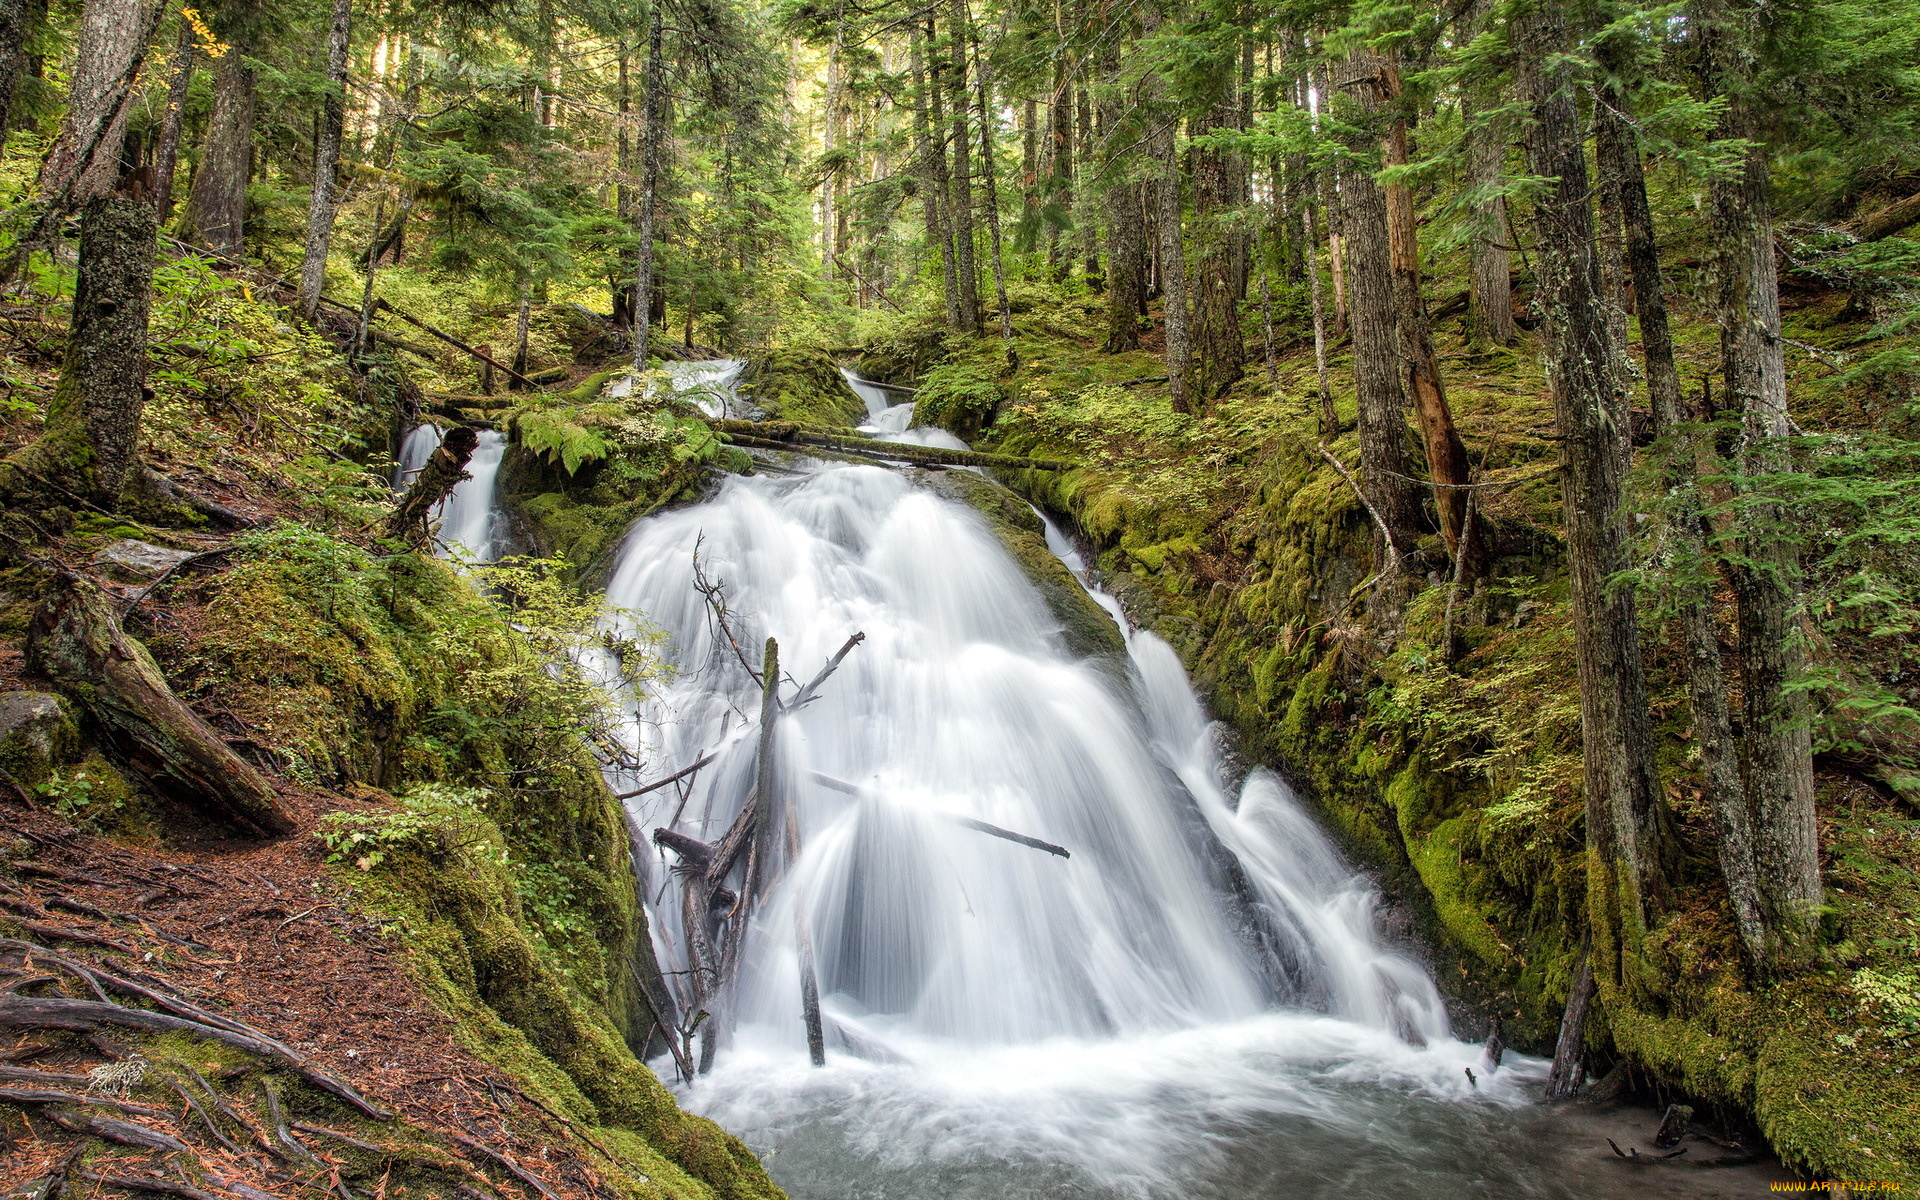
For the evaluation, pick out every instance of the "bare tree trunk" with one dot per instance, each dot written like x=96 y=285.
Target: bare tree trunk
x=1778 y=750
x=523 y=312
x=1088 y=226
x=1492 y=270
x=1629 y=841
x=84 y=161
x=166 y=152
x=326 y=161
x=649 y=187
x=1173 y=268
x=993 y=215
x=962 y=204
x=1377 y=376
x=1564 y=1079
x=929 y=129
x=217 y=204
x=1333 y=202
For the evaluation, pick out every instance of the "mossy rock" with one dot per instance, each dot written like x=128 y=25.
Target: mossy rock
x=804 y=385
x=1085 y=627
x=38 y=734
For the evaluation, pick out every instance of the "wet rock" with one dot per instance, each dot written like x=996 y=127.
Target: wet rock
x=131 y=561
x=37 y=734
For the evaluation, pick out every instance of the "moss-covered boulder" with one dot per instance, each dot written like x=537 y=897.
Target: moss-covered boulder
x=804 y=385
x=37 y=734
x=1084 y=626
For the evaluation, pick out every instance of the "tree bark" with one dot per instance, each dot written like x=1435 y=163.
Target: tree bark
x=1329 y=419
x=1126 y=235
x=929 y=134
x=326 y=161
x=650 y=151
x=76 y=641
x=1627 y=834
x=217 y=203
x=1492 y=269
x=1565 y=1077
x=1447 y=462
x=1377 y=377
x=993 y=214
x=1219 y=344
x=1778 y=745
x=84 y=162
x=166 y=151
x=1618 y=151
x=961 y=205
x=91 y=442
x=13 y=55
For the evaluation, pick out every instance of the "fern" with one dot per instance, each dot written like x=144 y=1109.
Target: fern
x=568 y=443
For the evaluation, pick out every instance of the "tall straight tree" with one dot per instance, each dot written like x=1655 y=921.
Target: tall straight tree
x=1218 y=280
x=1171 y=261
x=961 y=205
x=217 y=202
x=326 y=159
x=13 y=56
x=1778 y=741
x=929 y=137
x=84 y=161
x=1126 y=232
x=166 y=151
x=1005 y=310
x=1628 y=838
x=652 y=141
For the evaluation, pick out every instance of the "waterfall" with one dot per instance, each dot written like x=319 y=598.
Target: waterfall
x=1205 y=962
x=470 y=515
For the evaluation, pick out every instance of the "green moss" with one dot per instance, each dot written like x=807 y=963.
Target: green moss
x=804 y=385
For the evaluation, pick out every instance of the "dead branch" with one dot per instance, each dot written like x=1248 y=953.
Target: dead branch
x=1393 y=551
x=806 y=694
x=445 y=469
x=854 y=789
x=150 y=1183
x=124 y=1133
x=676 y=777
x=524 y=1176
x=715 y=594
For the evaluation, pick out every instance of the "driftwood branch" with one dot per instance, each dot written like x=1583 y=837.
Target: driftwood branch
x=807 y=694
x=1393 y=551
x=854 y=789
x=676 y=777
x=76 y=641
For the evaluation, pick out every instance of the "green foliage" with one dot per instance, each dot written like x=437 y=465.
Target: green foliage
x=364 y=840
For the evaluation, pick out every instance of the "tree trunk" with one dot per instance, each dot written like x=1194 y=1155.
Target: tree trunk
x=76 y=641
x=326 y=161
x=650 y=150
x=1088 y=227
x=1219 y=344
x=1565 y=1077
x=993 y=214
x=1126 y=238
x=962 y=204
x=1333 y=202
x=1447 y=462
x=1628 y=839
x=91 y=443
x=217 y=204
x=1778 y=749
x=166 y=152
x=1329 y=419
x=1377 y=376
x=935 y=186
x=84 y=162
x=1173 y=268
x=1618 y=153
x=1492 y=270
x=13 y=55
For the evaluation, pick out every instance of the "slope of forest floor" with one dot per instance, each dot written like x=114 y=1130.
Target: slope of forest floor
x=1460 y=782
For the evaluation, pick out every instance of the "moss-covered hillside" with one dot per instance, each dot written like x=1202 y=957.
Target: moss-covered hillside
x=1460 y=780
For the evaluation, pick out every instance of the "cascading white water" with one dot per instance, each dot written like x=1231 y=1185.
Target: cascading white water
x=470 y=516
x=709 y=383
x=892 y=422
x=1114 y=1023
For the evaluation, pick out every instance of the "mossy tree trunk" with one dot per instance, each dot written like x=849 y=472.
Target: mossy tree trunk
x=1778 y=742
x=1219 y=346
x=927 y=133
x=961 y=205
x=1629 y=842
x=76 y=641
x=90 y=447
x=84 y=161
x=1126 y=232
x=13 y=52
x=166 y=151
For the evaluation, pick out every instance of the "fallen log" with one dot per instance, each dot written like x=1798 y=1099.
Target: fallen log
x=808 y=435
x=696 y=854
x=445 y=469
x=76 y=641
x=1566 y=1076
x=107 y=1129
x=819 y=452
x=85 y=1016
